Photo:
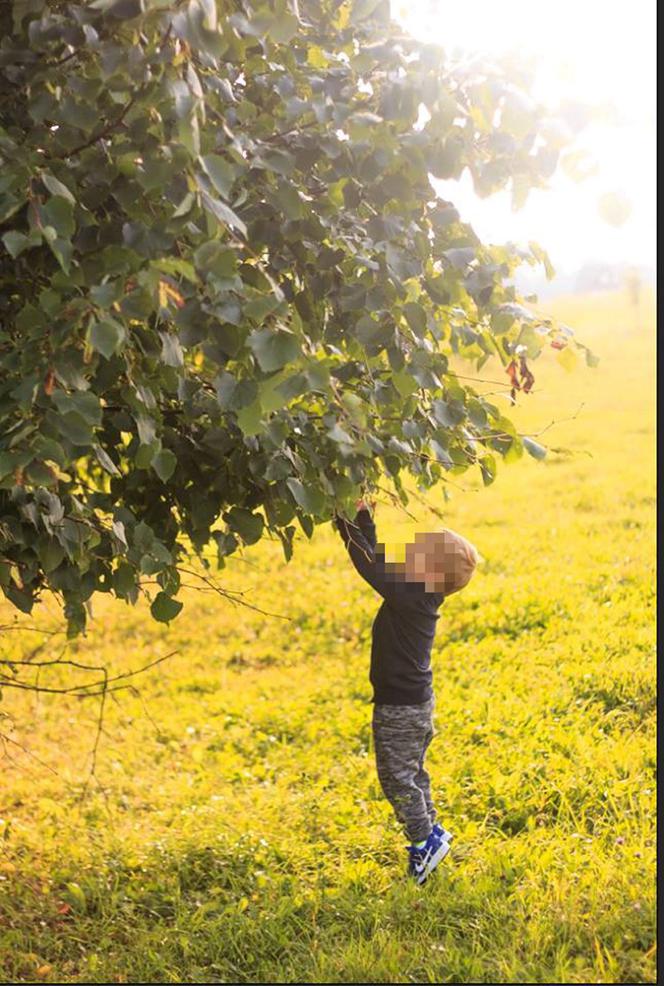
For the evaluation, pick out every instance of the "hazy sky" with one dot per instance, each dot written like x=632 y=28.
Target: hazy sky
x=597 y=52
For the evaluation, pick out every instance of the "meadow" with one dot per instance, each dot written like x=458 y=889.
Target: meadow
x=234 y=830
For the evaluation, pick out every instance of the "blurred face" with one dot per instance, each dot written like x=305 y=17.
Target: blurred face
x=443 y=561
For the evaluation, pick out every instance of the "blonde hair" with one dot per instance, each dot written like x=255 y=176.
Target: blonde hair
x=451 y=569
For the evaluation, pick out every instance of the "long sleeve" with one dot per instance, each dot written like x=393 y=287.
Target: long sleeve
x=366 y=524
x=359 y=538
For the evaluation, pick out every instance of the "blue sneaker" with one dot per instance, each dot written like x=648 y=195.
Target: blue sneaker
x=423 y=861
x=443 y=833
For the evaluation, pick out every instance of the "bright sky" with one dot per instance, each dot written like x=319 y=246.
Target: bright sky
x=591 y=50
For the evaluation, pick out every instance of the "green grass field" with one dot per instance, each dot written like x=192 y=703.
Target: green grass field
x=235 y=830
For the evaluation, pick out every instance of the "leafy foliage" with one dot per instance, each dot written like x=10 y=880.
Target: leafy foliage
x=228 y=290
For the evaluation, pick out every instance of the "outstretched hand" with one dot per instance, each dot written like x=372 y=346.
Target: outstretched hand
x=363 y=505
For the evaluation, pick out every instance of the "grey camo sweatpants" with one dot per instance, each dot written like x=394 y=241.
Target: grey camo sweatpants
x=401 y=735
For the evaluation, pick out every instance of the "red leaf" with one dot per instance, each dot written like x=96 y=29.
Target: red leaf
x=527 y=378
x=510 y=369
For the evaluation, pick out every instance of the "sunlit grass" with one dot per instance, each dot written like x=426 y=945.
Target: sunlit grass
x=236 y=831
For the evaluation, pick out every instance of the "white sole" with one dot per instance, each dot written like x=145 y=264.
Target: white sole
x=432 y=863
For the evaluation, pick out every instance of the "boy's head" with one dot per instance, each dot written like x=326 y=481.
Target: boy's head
x=442 y=559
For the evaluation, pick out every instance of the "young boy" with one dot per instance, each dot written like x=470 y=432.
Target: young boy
x=437 y=564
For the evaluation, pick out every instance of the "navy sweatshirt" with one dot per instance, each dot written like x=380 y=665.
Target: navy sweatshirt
x=405 y=625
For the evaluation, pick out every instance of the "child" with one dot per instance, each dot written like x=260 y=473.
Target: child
x=437 y=564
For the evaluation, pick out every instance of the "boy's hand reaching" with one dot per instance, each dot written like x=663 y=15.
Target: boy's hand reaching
x=363 y=505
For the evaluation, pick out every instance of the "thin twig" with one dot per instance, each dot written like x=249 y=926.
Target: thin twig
x=81 y=691
x=8 y=739
x=225 y=594
x=18 y=626
x=104 y=132
x=95 y=745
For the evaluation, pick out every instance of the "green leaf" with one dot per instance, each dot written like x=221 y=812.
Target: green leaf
x=16 y=242
x=307 y=524
x=58 y=212
x=164 y=608
x=107 y=336
x=293 y=386
x=514 y=451
x=213 y=256
x=273 y=348
x=124 y=580
x=258 y=307
x=75 y=428
x=145 y=454
x=245 y=523
x=25 y=392
x=175 y=265
x=249 y=418
x=416 y=318
x=10 y=461
x=189 y=133
x=142 y=536
x=283 y=162
x=536 y=450
x=222 y=212
x=9 y=204
x=104 y=295
x=164 y=464
x=85 y=402
x=488 y=469
x=286 y=537
x=50 y=552
x=105 y=461
x=40 y=474
x=22 y=599
x=309 y=498
x=62 y=251
x=404 y=382
x=56 y=187
x=288 y=201
x=221 y=173
x=367 y=330
x=355 y=407
x=448 y=413
x=236 y=395
x=185 y=205
x=441 y=453
x=146 y=427
x=270 y=397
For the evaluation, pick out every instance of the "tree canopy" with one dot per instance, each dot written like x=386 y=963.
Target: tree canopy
x=229 y=292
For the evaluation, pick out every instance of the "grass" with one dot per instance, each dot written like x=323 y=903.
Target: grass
x=235 y=831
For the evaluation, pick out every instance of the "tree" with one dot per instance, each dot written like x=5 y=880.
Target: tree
x=229 y=293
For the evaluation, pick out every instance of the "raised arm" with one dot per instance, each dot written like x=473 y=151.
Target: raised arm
x=359 y=537
x=365 y=522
